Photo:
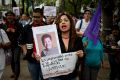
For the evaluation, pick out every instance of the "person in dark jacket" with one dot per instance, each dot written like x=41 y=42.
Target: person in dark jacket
x=28 y=46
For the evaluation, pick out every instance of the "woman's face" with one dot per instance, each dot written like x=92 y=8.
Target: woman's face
x=47 y=43
x=64 y=24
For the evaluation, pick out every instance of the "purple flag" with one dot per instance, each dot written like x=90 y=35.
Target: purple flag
x=93 y=28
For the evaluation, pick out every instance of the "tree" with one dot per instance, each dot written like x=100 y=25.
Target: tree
x=14 y=3
x=23 y=6
x=3 y=2
x=74 y=6
x=74 y=3
x=107 y=13
x=107 y=16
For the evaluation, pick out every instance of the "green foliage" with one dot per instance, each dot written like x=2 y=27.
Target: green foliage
x=68 y=7
x=47 y=2
x=86 y=1
x=71 y=6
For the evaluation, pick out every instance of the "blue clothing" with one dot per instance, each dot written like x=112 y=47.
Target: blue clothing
x=92 y=60
x=93 y=53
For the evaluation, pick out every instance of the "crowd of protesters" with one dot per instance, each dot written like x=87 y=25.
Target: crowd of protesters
x=71 y=39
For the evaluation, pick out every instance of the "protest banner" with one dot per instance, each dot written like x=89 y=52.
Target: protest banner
x=57 y=65
x=49 y=11
x=46 y=40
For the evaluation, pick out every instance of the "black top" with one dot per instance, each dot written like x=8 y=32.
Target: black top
x=27 y=38
x=14 y=37
x=78 y=46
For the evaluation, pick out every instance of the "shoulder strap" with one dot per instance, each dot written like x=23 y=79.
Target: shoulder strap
x=81 y=24
x=1 y=39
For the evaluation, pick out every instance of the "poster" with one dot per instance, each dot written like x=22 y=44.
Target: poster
x=46 y=40
x=3 y=13
x=49 y=11
x=53 y=62
x=57 y=65
x=16 y=11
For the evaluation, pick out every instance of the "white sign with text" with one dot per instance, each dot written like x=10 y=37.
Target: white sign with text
x=57 y=65
x=49 y=11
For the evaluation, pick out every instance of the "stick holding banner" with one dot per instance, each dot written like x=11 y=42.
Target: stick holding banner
x=93 y=28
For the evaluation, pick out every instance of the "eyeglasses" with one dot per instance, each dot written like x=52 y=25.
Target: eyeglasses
x=36 y=16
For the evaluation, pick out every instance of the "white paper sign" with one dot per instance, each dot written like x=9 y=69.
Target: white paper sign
x=4 y=36
x=46 y=47
x=16 y=11
x=49 y=11
x=57 y=65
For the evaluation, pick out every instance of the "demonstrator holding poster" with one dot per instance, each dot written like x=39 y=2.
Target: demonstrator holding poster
x=27 y=43
x=69 y=42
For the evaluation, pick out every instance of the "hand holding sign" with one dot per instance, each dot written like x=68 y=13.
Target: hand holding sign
x=80 y=53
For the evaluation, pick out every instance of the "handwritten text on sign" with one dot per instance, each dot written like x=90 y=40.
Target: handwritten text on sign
x=57 y=65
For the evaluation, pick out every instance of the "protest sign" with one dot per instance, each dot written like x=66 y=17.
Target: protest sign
x=57 y=65
x=52 y=62
x=49 y=11
x=46 y=40
x=16 y=11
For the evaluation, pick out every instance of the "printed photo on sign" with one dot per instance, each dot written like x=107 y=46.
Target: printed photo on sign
x=46 y=40
x=47 y=44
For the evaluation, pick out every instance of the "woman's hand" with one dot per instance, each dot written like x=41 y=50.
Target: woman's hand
x=79 y=33
x=80 y=53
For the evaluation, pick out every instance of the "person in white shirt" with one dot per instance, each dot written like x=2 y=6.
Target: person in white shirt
x=4 y=43
x=82 y=24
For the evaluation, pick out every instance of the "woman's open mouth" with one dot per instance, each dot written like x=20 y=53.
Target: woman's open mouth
x=64 y=26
